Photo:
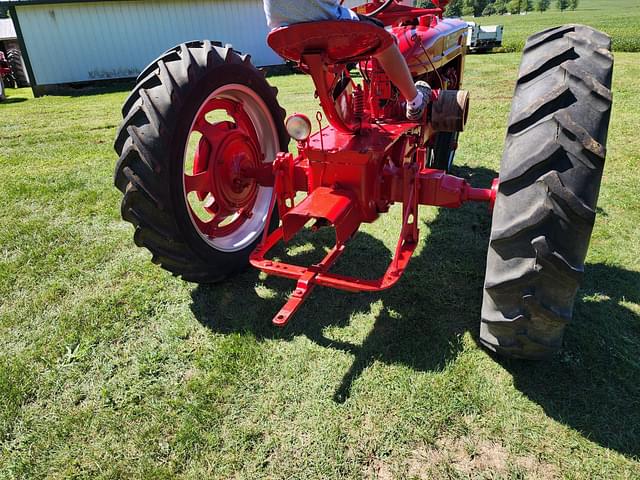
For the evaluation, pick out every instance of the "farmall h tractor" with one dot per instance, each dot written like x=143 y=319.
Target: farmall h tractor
x=6 y=78
x=210 y=186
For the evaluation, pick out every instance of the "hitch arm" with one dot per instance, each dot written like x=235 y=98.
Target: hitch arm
x=306 y=284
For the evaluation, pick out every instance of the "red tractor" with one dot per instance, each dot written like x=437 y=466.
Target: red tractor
x=6 y=77
x=211 y=188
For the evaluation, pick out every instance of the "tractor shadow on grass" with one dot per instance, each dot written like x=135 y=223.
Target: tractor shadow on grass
x=419 y=323
x=9 y=100
x=91 y=88
x=592 y=386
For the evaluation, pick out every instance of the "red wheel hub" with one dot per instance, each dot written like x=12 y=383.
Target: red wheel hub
x=225 y=149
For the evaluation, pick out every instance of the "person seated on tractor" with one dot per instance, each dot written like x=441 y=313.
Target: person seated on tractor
x=281 y=13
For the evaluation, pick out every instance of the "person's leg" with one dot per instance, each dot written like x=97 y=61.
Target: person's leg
x=417 y=94
x=395 y=66
x=398 y=72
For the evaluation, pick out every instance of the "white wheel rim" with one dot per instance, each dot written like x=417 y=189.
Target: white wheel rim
x=267 y=134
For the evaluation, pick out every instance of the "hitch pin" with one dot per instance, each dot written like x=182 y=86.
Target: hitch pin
x=319 y=120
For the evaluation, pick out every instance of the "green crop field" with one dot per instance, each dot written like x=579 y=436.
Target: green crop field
x=619 y=18
x=111 y=369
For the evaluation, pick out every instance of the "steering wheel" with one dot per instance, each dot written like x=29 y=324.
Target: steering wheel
x=378 y=10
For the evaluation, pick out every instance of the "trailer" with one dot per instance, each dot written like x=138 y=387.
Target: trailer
x=483 y=39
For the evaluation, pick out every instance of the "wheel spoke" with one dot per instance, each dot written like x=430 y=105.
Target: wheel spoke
x=215 y=222
x=212 y=132
x=200 y=182
x=210 y=227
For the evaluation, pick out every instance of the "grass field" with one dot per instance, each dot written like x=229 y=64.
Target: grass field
x=110 y=368
x=619 y=18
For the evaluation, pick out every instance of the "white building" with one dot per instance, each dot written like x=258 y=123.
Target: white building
x=7 y=32
x=74 y=41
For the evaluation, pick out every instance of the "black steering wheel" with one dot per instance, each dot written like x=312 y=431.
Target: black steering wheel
x=378 y=10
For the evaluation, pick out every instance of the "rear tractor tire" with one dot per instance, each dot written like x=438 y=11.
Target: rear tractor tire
x=14 y=57
x=442 y=154
x=550 y=180
x=197 y=116
x=9 y=81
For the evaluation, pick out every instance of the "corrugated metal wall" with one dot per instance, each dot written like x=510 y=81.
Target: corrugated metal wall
x=89 y=41
x=7 y=32
x=78 y=42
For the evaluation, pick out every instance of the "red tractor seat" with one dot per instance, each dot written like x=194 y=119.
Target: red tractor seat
x=342 y=41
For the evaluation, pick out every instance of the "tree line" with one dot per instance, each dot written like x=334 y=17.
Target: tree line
x=480 y=8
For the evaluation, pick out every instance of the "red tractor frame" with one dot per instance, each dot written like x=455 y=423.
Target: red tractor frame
x=207 y=208
x=367 y=159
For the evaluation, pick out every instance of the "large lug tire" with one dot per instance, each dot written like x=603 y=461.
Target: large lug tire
x=14 y=58
x=9 y=81
x=197 y=116
x=442 y=154
x=549 y=184
x=2 y=94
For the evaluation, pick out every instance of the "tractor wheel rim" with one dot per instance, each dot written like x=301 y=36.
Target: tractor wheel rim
x=228 y=211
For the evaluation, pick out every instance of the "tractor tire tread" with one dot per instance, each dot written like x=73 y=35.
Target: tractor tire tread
x=545 y=210
x=14 y=57
x=142 y=143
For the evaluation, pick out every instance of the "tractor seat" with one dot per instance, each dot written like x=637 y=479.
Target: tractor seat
x=342 y=41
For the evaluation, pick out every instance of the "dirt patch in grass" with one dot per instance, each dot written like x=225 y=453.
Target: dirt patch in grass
x=470 y=457
x=379 y=470
x=463 y=457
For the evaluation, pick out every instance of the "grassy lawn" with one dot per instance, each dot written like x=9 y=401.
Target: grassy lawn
x=111 y=368
x=619 y=18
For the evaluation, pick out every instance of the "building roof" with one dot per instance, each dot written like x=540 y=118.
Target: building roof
x=47 y=2
x=7 y=32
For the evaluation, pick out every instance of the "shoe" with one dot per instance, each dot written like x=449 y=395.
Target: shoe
x=415 y=114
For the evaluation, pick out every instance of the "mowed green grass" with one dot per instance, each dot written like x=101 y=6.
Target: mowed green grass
x=619 y=18
x=110 y=368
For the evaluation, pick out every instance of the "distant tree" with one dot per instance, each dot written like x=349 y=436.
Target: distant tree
x=573 y=4
x=501 y=6
x=489 y=10
x=527 y=5
x=543 y=5
x=460 y=7
x=562 y=5
x=479 y=6
x=467 y=11
x=454 y=9
x=474 y=7
x=514 y=6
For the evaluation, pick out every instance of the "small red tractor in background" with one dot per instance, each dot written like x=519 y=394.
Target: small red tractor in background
x=6 y=77
x=210 y=186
